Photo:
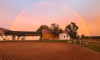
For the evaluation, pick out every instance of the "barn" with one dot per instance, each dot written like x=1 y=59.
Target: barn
x=23 y=35
x=32 y=35
x=46 y=35
x=13 y=35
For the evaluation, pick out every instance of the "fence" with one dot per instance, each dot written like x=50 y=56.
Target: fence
x=93 y=44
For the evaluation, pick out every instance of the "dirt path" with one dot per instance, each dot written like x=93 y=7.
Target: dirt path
x=46 y=51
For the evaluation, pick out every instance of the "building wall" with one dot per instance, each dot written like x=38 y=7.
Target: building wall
x=32 y=37
x=16 y=38
x=20 y=38
x=28 y=38
x=64 y=36
x=8 y=37
x=49 y=36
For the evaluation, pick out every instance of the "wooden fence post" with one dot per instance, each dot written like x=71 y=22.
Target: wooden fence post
x=75 y=41
x=58 y=39
x=86 y=42
x=80 y=41
x=50 y=39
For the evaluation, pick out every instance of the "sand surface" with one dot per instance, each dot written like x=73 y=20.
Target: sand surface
x=46 y=51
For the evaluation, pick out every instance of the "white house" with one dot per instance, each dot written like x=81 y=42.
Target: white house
x=64 y=35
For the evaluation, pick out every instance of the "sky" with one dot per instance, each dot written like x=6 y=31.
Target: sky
x=28 y=15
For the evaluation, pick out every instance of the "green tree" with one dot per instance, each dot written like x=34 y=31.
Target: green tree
x=72 y=30
x=55 y=30
x=42 y=27
x=1 y=33
x=77 y=37
x=82 y=36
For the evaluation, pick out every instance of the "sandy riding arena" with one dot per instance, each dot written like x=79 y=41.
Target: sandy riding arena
x=46 y=51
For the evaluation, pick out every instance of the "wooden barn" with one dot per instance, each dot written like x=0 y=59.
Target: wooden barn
x=46 y=35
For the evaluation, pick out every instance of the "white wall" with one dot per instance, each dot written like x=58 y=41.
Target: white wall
x=9 y=37
x=20 y=38
x=16 y=37
x=32 y=37
x=1 y=38
x=28 y=37
x=61 y=36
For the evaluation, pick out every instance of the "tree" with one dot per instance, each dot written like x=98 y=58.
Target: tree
x=1 y=33
x=42 y=27
x=72 y=30
x=55 y=30
x=77 y=37
x=82 y=36
x=18 y=34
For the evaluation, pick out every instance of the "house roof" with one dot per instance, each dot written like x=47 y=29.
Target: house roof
x=46 y=31
x=64 y=31
x=9 y=32
x=23 y=32
x=3 y=29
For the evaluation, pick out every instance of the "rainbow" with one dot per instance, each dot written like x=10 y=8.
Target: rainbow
x=48 y=3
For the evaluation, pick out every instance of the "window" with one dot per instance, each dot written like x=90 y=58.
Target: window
x=61 y=36
x=4 y=39
x=67 y=35
x=64 y=36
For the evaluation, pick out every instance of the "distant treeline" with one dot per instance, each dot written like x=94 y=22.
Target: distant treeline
x=92 y=37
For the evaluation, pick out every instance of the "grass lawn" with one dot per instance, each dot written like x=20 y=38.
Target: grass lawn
x=54 y=41
x=91 y=45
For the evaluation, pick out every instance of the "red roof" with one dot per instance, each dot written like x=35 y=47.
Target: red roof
x=3 y=30
x=64 y=31
x=45 y=31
